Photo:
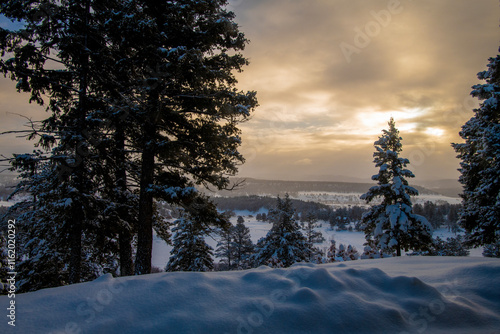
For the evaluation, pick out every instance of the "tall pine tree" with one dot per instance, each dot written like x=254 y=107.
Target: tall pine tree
x=58 y=57
x=480 y=165
x=179 y=72
x=392 y=225
x=224 y=249
x=242 y=245
x=313 y=236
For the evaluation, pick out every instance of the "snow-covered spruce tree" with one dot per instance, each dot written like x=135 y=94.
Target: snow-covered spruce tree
x=341 y=254
x=480 y=165
x=332 y=252
x=492 y=250
x=352 y=253
x=284 y=244
x=224 y=249
x=190 y=251
x=449 y=247
x=312 y=236
x=62 y=58
x=179 y=66
x=41 y=248
x=392 y=224
x=242 y=245
x=43 y=232
x=370 y=253
x=31 y=49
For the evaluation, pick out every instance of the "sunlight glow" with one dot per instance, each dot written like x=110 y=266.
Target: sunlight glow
x=436 y=132
x=374 y=121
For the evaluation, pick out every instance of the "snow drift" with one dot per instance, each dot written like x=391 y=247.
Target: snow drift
x=395 y=295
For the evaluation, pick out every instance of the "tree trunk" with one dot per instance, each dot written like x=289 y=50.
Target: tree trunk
x=76 y=227
x=126 y=262
x=75 y=260
x=145 y=223
x=124 y=235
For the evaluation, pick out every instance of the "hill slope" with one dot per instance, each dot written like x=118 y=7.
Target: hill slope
x=398 y=295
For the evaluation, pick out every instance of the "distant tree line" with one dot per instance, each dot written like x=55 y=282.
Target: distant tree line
x=438 y=214
x=254 y=203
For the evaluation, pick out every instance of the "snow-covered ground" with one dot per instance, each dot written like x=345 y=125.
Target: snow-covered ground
x=394 y=295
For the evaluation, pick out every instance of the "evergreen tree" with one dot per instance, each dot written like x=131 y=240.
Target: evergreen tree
x=225 y=249
x=63 y=58
x=240 y=220
x=341 y=254
x=179 y=72
x=284 y=244
x=448 y=247
x=352 y=253
x=332 y=251
x=452 y=220
x=492 y=250
x=392 y=224
x=480 y=165
x=370 y=253
x=43 y=232
x=43 y=242
x=242 y=245
x=190 y=251
x=312 y=236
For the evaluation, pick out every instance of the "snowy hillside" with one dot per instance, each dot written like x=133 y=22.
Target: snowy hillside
x=395 y=295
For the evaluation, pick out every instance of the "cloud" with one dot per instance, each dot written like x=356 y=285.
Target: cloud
x=418 y=67
x=303 y=162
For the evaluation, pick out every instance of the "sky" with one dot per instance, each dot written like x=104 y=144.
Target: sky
x=329 y=74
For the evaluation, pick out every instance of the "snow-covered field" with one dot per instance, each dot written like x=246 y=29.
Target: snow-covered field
x=258 y=229
x=394 y=295
x=344 y=199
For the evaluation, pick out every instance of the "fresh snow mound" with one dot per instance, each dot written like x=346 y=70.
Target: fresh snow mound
x=394 y=295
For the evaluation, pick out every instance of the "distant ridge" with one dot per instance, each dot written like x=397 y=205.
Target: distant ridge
x=251 y=186
x=447 y=187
